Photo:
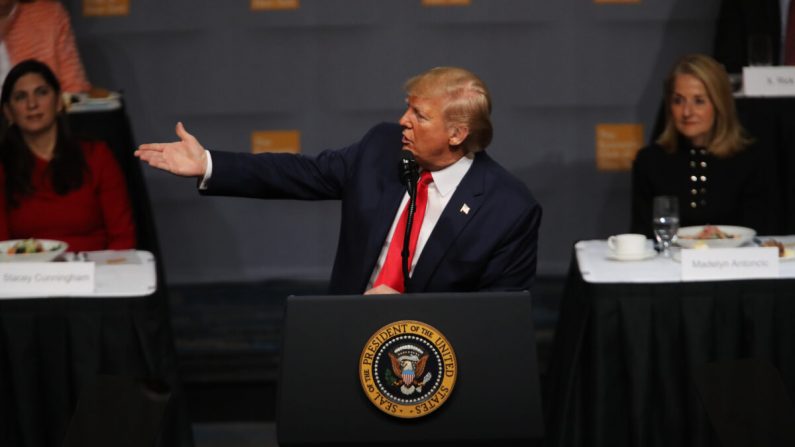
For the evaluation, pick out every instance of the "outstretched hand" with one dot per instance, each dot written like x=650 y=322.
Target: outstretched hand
x=185 y=157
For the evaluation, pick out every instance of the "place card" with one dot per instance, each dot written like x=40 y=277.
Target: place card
x=446 y=2
x=274 y=5
x=25 y=279
x=769 y=81
x=729 y=263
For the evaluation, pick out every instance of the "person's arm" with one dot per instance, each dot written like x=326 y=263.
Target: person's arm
x=280 y=176
x=267 y=175
x=113 y=198
x=70 y=69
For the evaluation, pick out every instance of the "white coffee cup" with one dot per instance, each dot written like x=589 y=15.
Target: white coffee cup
x=628 y=244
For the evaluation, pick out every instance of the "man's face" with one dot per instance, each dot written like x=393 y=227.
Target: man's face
x=426 y=134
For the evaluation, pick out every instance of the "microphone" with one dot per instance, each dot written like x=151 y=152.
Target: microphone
x=409 y=175
x=408 y=171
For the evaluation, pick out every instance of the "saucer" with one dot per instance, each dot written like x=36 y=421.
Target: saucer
x=649 y=253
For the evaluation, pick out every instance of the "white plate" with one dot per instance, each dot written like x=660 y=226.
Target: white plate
x=52 y=249
x=649 y=253
x=742 y=235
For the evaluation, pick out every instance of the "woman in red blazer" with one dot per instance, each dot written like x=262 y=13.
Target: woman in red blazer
x=54 y=187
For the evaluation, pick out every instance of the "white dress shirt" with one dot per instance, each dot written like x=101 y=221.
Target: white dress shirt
x=208 y=171
x=445 y=182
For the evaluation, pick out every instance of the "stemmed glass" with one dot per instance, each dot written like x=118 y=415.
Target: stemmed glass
x=665 y=222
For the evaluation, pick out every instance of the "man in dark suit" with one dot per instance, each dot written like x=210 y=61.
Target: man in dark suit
x=481 y=224
x=740 y=22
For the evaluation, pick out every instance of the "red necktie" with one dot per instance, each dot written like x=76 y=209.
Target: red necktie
x=789 y=37
x=392 y=272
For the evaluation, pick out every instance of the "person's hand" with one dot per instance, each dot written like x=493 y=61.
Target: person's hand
x=185 y=157
x=383 y=289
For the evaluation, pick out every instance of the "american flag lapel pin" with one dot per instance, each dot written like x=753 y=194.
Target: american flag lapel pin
x=464 y=208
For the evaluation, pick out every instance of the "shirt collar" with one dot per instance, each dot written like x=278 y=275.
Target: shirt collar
x=447 y=179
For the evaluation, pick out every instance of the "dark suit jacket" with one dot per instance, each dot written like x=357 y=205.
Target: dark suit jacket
x=740 y=19
x=491 y=247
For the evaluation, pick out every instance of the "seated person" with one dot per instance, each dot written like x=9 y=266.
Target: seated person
x=703 y=156
x=41 y=30
x=54 y=187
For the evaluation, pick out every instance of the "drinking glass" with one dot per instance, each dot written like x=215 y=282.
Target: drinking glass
x=665 y=222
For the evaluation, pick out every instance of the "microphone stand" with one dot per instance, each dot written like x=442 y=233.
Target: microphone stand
x=409 y=177
x=411 y=186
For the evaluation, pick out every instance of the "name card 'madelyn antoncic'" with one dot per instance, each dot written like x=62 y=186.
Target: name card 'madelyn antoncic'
x=729 y=263
x=43 y=279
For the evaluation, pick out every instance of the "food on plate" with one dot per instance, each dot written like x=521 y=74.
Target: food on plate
x=27 y=246
x=710 y=232
x=783 y=251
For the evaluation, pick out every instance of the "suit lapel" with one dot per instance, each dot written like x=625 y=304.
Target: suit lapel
x=461 y=209
x=388 y=203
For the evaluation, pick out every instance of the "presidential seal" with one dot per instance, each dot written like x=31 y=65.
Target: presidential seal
x=408 y=369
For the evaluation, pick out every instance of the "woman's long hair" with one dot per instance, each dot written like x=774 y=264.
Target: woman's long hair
x=67 y=168
x=727 y=136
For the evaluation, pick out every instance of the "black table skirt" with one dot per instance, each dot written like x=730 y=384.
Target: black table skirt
x=625 y=355
x=50 y=349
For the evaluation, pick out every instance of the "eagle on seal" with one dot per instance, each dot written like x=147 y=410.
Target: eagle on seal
x=408 y=369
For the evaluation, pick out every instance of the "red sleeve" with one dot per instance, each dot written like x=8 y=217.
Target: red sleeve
x=113 y=197
x=3 y=210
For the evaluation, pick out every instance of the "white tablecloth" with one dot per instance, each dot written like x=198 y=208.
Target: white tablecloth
x=596 y=267
x=127 y=273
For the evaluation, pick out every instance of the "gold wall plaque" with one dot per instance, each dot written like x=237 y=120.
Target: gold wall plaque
x=275 y=141
x=106 y=8
x=617 y=1
x=616 y=146
x=446 y=2
x=274 y=5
